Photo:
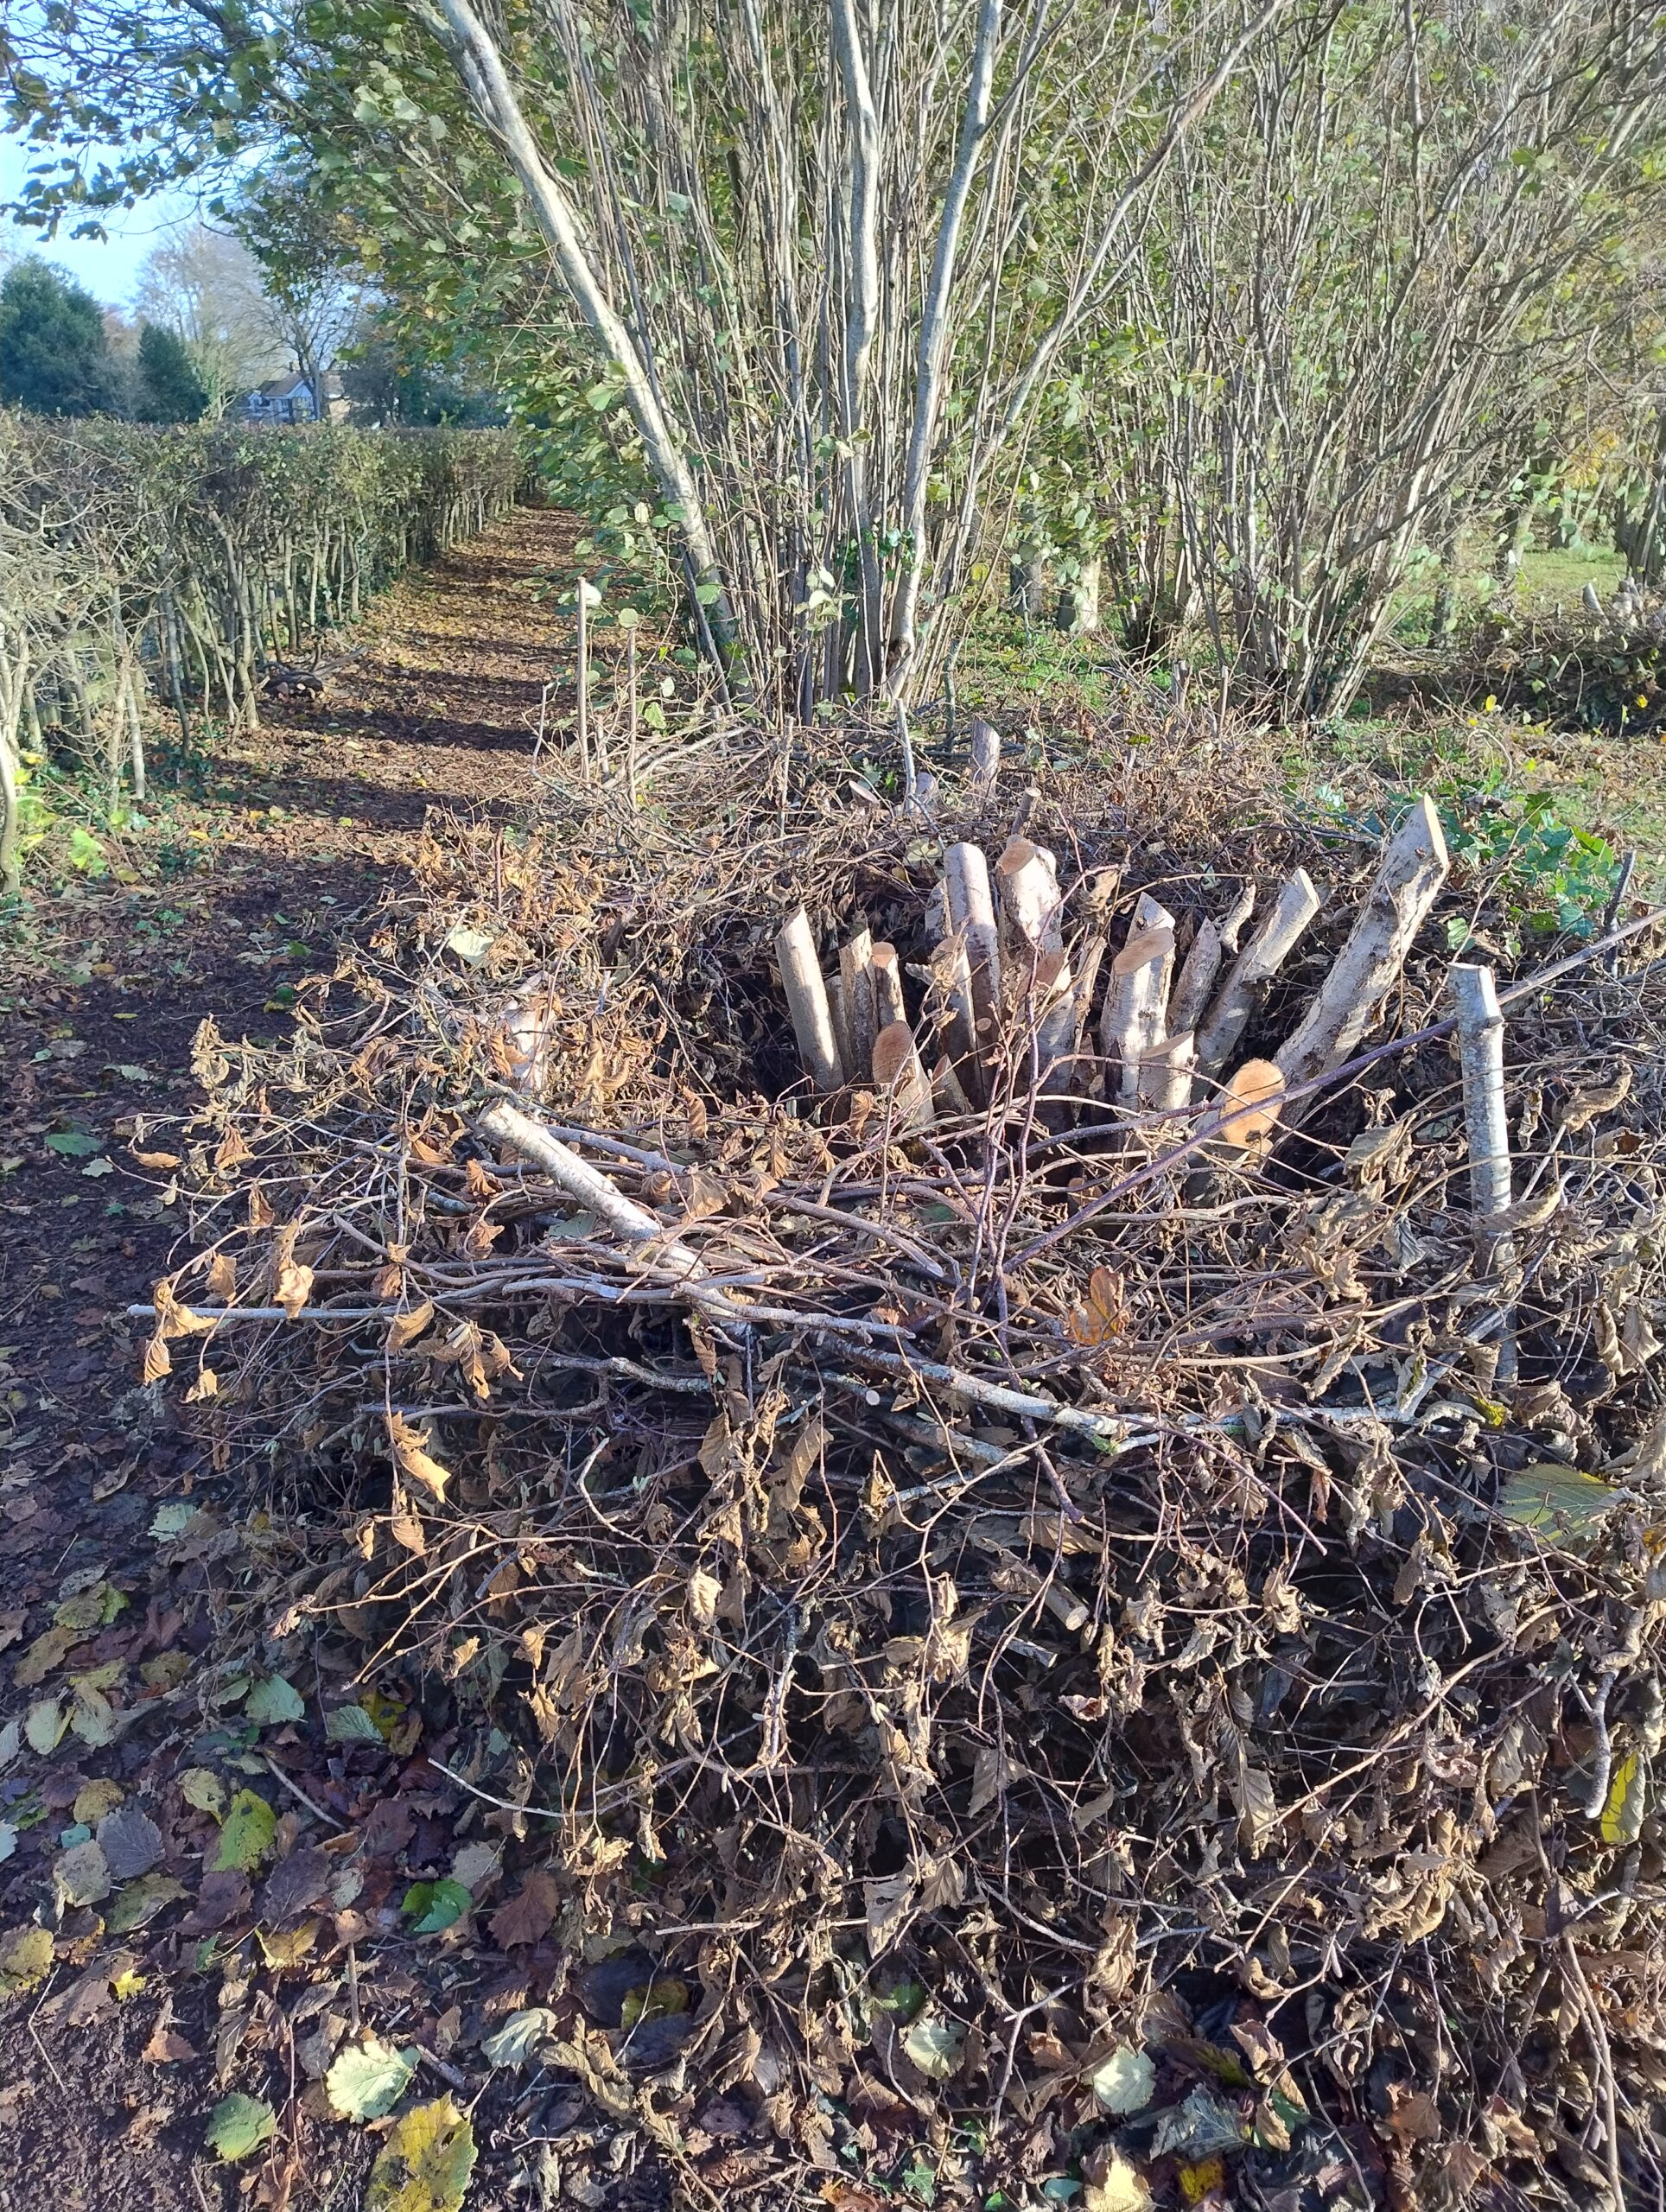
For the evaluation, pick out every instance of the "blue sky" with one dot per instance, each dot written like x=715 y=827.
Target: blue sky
x=107 y=268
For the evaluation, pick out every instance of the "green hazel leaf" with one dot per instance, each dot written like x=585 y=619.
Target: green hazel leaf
x=273 y=1701
x=365 y=2082
x=246 y=1838
x=74 y=1144
x=239 y=2125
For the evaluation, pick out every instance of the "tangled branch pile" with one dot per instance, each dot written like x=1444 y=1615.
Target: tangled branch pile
x=1143 y=1618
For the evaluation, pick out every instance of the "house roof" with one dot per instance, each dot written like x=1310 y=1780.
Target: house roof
x=285 y=387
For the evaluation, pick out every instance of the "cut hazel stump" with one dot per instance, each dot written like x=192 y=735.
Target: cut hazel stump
x=970 y=910
x=807 y=1003
x=1406 y=884
x=1137 y=997
x=900 y=1075
x=1246 y=984
x=856 y=977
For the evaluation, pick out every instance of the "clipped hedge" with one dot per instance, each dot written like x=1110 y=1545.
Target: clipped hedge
x=179 y=563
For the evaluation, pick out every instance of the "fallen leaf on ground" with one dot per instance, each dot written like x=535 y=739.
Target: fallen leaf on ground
x=142 y=1901
x=520 y=2037
x=1124 y=2082
x=25 y=1960
x=367 y=2080
x=273 y=1701
x=529 y=1913
x=130 y=1841
x=425 y=2164
x=246 y=1838
x=239 y=2125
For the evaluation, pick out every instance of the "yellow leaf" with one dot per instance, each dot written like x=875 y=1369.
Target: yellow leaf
x=1627 y=1802
x=290 y=1946
x=25 y=1959
x=1196 y=2182
x=128 y=1983
x=425 y=2164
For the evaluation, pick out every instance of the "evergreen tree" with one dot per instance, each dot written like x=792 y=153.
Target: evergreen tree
x=55 y=355
x=171 y=388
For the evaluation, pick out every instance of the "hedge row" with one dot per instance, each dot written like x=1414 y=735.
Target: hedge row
x=180 y=564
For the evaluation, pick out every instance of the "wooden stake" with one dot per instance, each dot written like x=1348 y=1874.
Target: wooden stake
x=1165 y=1078
x=897 y=1071
x=806 y=999
x=1481 y=1054
x=1486 y=1124
x=630 y=722
x=1260 y=961
x=856 y=979
x=1031 y=906
x=583 y=678
x=970 y=908
x=1407 y=883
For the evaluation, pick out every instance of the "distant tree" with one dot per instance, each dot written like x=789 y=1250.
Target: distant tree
x=206 y=284
x=170 y=387
x=55 y=354
x=312 y=298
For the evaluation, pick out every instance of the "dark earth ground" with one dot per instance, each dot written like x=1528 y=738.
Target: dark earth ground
x=111 y=2063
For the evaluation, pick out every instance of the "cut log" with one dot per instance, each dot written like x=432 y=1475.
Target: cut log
x=984 y=739
x=1166 y=1074
x=901 y=1080
x=1137 y=997
x=806 y=1000
x=887 y=987
x=971 y=911
x=1407 y=883
x=1240 y=1124
x=1250 y=973
x=856 y=978
x=1195 y=980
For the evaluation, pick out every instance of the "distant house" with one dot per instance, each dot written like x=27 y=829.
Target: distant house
x=290 y=399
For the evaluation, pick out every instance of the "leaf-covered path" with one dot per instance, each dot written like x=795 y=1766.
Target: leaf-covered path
x=114 y=2051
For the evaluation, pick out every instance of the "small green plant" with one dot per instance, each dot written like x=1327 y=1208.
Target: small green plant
x=1550 y=877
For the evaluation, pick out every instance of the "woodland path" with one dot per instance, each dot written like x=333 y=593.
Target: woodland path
x=304 y=825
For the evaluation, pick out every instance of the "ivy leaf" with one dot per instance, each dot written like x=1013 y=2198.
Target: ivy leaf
x=247 y=1839
x=367 y=2083
x=239 y=2125
x=74 y=1144
x=425 y=2164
